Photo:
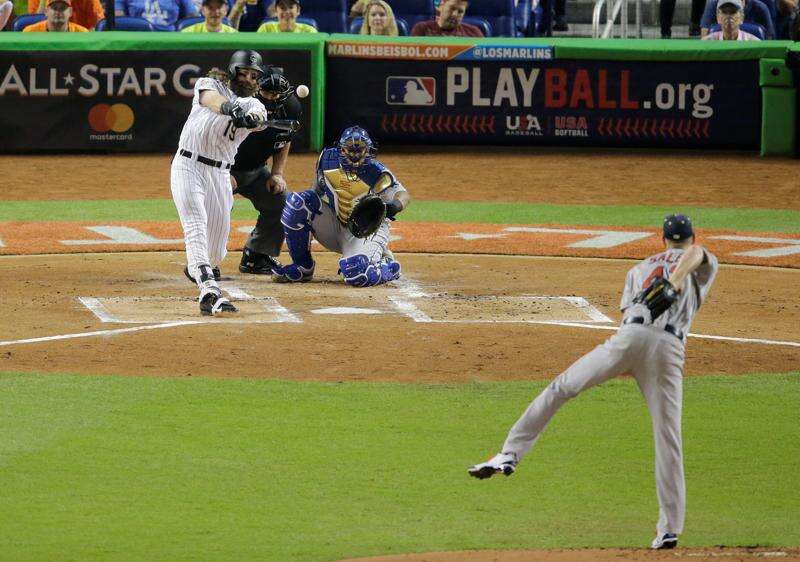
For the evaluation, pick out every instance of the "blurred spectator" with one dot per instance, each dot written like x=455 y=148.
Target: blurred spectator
x=85 y=13
x=755 y=11
x=667 y=11
x=162 y=14
x=447 y=22
x=287 y=12
x=379 y=19
x=787 y=19
x=560 y=16
x=57 y=14
x=247 y=15
x=730 y=15
x=6 y=9
x=358 y=9
x=214 y=11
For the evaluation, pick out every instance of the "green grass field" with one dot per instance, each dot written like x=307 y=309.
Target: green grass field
x=771 y=220
x=116 y=468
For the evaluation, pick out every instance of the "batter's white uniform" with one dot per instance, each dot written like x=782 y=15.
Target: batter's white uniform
x=200 y=176
x=654 y=354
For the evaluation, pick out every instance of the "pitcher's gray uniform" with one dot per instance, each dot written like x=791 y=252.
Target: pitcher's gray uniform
x=654 y=354
x=200 y=178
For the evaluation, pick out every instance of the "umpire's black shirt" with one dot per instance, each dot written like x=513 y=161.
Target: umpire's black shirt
x=259 y=146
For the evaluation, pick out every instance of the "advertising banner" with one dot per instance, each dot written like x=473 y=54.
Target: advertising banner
x=451 y=94
x=113 y=100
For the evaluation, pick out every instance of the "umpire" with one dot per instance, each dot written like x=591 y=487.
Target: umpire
x=264 y=186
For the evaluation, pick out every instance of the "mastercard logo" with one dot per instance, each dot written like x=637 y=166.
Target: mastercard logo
x=104 y=117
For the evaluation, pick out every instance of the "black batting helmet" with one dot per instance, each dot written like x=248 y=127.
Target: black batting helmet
x=276 y=83
x=244 y=59
x=678 y=228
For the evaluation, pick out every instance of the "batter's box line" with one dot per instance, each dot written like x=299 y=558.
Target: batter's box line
x=409 y=309
x=269 y=304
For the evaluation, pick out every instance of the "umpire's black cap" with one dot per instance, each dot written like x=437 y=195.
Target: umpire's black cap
x=678 y=227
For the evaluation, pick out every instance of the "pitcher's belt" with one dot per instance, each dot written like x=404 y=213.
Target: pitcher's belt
x=668 y=328
x=204 y=160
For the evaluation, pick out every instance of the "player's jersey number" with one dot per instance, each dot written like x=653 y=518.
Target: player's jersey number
x=230 y=130
x=655 y=274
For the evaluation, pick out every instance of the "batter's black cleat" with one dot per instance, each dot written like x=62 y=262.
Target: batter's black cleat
x=664 y=541
x=214 y=303
x=258 y=264
x=505 y=463
x=216 y=271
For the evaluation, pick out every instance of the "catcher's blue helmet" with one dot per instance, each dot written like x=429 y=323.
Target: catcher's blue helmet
x=355 y=148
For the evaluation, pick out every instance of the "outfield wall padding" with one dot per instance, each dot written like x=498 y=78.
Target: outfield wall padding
x=573 y=92
x=556 y=91
x=131 y=91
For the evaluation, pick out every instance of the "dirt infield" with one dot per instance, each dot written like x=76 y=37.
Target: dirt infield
x=475 y=313
x=533 y=175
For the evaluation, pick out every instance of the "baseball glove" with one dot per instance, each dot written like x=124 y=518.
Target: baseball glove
x=658 y=297
x=367 y=216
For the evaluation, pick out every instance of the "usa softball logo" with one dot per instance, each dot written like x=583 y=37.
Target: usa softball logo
x=118 y=117
x=411 y=90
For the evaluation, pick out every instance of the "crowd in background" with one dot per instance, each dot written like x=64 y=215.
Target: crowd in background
x=740 y=20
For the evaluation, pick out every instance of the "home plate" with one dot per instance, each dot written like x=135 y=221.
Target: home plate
x=345 y=310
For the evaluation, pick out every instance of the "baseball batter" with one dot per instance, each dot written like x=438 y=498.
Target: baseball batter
x=223 y=113
x=346 y=173
x=263 y=185
x=649 y=345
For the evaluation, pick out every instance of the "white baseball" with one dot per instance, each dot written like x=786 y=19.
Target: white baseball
x=302 y=91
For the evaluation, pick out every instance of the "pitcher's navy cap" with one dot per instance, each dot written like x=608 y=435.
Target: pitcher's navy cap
x=678 y=227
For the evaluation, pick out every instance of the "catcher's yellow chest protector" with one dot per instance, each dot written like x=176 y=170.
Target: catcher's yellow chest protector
x=347 y=189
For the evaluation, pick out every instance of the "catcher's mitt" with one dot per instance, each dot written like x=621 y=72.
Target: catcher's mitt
x=367 y=216
x=658 y=297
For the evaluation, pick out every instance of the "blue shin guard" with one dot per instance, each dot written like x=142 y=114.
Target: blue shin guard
x=298 y=212
x=358 y=271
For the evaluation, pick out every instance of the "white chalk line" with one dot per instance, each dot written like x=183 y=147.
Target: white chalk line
x=102 y=332
x=284 y=315
x=691 y=335
x=98 y=309
x=409 y=289
x=588 y=309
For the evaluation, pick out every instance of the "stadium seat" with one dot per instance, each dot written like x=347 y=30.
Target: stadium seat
x=186 y=22
x=522 y=15
x=355 y=26
x=480 y=23
x=751 y=28
x=499 y=14
x=413 y=11
x=25 y=20
x=126 y=23
x=308 y=21
x=330 y=14
x=772 y=6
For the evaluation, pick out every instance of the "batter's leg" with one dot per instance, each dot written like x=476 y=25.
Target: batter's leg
x=187 y=182
x=610 y=359
x=661 y=383
x=219 y=204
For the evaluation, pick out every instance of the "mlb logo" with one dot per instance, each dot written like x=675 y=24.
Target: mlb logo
x=411 y=90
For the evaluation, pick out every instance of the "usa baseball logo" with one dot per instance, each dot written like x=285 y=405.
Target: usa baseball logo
x=411 y=90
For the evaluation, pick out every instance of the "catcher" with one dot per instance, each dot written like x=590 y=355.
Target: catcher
x=348 y=211
x=661 y=297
